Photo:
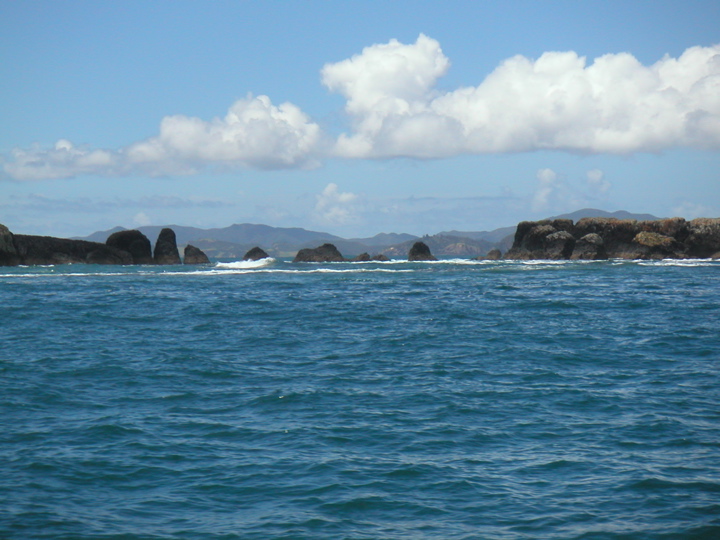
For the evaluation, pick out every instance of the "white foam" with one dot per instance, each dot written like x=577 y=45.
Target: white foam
x=243 y=265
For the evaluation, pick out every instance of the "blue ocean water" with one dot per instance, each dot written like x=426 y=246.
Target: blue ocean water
x=457 y=399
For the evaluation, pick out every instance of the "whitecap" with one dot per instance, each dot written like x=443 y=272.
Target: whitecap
x=246 y=265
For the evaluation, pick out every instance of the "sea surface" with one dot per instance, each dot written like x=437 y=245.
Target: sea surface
x=447 y=400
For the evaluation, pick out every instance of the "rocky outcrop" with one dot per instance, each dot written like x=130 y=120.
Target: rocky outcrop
x=324 y=253
x=135 y=243
x=492 y=255
x=420 y=252
x=8 y=253
x=193 y=255
x=33 y=250
x=166 y=251
x=365 y=257
x=590 y=247
x=602 y=238
x=255 y=254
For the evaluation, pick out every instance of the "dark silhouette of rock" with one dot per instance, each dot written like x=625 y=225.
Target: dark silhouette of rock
x=8 y=253
x=420 y=252
x=135 y=243
x=559 y=245
x=590 y=247
x=255 y=254
x=324 y=253
x=599 y=238
x=193 y=255
x=166 y=251
x=493 y=255
x=34 y=250
x=703 y=238
x=363 y=257
x=380 y=258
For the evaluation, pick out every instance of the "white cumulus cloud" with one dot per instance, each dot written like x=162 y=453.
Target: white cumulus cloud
x=559 y=102
x=335 y=207
x=254 y=133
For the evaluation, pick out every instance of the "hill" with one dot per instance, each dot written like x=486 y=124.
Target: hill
x=234 y=241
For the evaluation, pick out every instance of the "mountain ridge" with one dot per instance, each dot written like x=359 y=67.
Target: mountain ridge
x=235 y=240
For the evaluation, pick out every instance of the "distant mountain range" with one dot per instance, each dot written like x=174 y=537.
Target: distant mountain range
x=234 y=241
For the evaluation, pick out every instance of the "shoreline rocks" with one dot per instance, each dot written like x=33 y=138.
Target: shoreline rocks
x=193 y=255
x=166 y=251
x=255 y=254
x=121 y=248
x=420 y=252
x=324 y=253
x=611 y=238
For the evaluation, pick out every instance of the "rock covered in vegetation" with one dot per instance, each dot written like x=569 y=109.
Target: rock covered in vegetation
x=420 y=252
x=324 y=253
x=602 y=238
x=166 y=251
x=193 y=255
x=255 y=254
x=135 y=243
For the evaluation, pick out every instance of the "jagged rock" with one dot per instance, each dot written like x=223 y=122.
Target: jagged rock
x=363 y=257
x=493 y=255
x=420 y=252
x=193 y=255
x=559 y=245
x=703 y=238
x=324 y=253
x=135 y=243
x=589 y=247
x=617 y=235
x=652 y=245
x=107 y=255
x=166 y=251
x=34 y=250
x=255 y=254
x=8 y=253
x=380 y=258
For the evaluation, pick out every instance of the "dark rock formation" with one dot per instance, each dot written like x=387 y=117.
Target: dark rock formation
x=363 y=257
x=324 y=253
x=193 y=255
x=559 y=245
x=492 y=255
x=166 y=251
x=33 y=250
x=8 y=253
x=255 y=254
x=703 y=238
x=135 y=243
x=599 y=238
x=590 y=247
x=420 y=252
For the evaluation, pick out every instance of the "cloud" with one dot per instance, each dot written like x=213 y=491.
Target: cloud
x=254 y=133
x=557 y=102
x=596 y=182
x=548 y=186
x=335 y=208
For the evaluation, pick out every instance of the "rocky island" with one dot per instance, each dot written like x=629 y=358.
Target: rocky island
x=556 y=239
x=611 y=238
x=122 y=247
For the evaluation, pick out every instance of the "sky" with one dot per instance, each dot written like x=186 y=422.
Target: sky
x=355 y=117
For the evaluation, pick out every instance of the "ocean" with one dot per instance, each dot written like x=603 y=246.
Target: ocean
x=446 y=400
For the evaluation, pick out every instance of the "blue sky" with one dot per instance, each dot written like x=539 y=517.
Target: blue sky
x=355 y=117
